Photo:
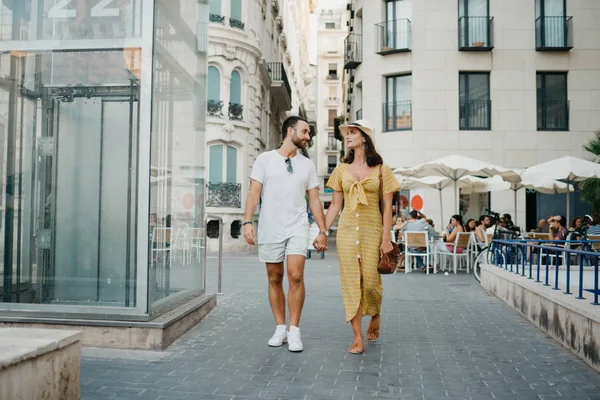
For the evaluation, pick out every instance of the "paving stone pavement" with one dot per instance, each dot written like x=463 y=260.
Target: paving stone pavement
x=443 y=337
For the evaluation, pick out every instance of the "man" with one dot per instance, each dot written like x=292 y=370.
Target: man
x=481 y=231
x=282 y=178
x=417 y=222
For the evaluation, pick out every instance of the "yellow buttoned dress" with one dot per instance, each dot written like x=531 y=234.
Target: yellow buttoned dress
x=358 y=239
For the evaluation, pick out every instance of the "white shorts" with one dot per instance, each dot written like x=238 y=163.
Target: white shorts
x=274 y=253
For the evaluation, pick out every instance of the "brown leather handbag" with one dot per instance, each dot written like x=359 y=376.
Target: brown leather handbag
x=389 y=261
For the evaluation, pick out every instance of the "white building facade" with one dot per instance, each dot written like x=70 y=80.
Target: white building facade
x=511 y=82
x=258 y=74
x=332 y=30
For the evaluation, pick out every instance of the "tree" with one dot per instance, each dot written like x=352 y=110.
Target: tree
x=590 y=190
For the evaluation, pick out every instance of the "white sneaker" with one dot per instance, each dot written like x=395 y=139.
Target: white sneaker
x=279 y=337
x=294 y=341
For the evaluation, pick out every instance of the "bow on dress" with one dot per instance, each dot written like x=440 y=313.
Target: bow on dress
x=357 y=195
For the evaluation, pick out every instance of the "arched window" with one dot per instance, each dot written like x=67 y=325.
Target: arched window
x=215 y=7
x=235 y=91
x=214 y=84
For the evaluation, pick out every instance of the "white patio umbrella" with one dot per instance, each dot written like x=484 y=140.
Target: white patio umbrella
x=496 y=183
x=568 y=169
x=455 y=167
x=440 y=183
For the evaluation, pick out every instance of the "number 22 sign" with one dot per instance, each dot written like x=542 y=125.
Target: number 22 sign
x=102 y=9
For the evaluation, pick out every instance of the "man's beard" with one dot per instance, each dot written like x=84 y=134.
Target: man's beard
x=299 y=144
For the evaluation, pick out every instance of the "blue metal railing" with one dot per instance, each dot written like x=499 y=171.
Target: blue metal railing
x=517 y=256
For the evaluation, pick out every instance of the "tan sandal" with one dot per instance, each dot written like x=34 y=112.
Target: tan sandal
x=356 y=349
x=373 y=331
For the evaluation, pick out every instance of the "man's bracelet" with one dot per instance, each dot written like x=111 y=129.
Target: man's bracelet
x=248 y=222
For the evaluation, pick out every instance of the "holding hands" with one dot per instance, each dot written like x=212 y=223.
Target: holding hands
x=320 y=242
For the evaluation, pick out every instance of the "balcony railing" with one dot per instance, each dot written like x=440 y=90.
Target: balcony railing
x=216 y=18
x=554 y=33
x=330 y=169
x=553 y=115
x=332 y=77
x=393 y=36
x=236 y=112
x=332 y=144
x=397 y=116
x=475 y=115
x=359 y=114
x=280 y=85
x=224 y=194
x=476 y=33
x=214 y=108
x=236 y=23
x=352 y=51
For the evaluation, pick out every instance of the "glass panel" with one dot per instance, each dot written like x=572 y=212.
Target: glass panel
x=68 y=162
x=215 y=7
x=474 y=111
x=176 y=268
x=216 y=164
x=236 y=9
x=214 y=84
x=70 y=19
x=231 y=164
x=235 y=96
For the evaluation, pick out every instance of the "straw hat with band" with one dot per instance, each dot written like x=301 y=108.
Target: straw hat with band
x=361 y=124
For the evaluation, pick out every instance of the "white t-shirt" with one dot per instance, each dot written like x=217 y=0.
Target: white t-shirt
x=283 y=211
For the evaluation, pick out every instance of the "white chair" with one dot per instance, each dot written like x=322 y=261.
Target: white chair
x=461 y=242
x=161 y=244
x=195 y=238
x=412 y=242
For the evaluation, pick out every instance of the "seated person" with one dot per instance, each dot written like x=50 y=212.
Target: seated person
x=480 y=233
x=449 y=237
x=417 y=223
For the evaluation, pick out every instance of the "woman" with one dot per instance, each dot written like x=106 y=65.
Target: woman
x=363 y=235
x=455 y=227
x=471 y=225
x=576 y=223
x=558 y=229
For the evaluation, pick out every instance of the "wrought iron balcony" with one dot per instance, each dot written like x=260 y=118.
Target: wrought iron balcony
x=553 y=115
x=214 y=108
x=332 y=77
x=397 y=116
x=476 y=33
x=236 y=23
x=224 y=194
x=236 y=112
x=216 y=18
x=475 y=115
x=330 y=169
x=359 y=114
x=352 y=51
x=393 y=36
x=554 y=33
x=280 y=86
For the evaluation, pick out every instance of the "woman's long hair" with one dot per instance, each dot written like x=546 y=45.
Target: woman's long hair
x=373 y=157
x=458 y=219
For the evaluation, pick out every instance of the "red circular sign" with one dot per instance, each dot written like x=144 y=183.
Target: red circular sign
x=416 y=203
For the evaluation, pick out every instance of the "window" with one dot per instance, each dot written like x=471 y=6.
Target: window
x=223 y=171
x=214 y=84
x=325 y=188
x=331 y=163
x=474 y=99
x=329 y=25
x=474 y=24
x=553 y=27
x=332 y=71
x=215 y=7
x=397 y=24
x=397 y=109
x=331 y=119
x=236 y=9
x=332 y=142
x=552 y=103
x=235 y=90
